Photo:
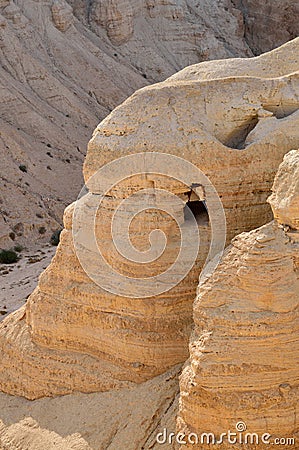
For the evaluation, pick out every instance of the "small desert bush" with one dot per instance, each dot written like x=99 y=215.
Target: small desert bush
x=8 y=256
x=42 y=230
x=18 y=248
x=23 y=168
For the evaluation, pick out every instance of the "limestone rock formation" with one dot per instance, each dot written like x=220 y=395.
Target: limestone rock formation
x=269 y=65
x=48 y=109
x=263 y=22
x=230 y=126
x=244 y=350
x=62 y=14
x=4 y=3
x=74 y=335
x=116 y=17
x=285 y=198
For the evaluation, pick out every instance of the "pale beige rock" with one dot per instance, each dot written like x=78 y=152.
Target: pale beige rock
x=244 y=351
x=45 y=100
x=268 y=65
x=19 y=280
x=75 y=336
x=230 y=127
x=48 y=112
x=285 y=198
x=62 y=14
x=120 y=419
x=117 y=19
x=4 y=3
x=90 y=337
x=161 y=36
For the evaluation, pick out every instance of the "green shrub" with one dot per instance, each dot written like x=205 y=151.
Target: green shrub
x=42 y=230
x=18 y=248
x=23 y=168
x=55 y=238
x=8 y=257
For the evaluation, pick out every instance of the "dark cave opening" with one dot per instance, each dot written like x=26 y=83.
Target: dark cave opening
x=197 y=208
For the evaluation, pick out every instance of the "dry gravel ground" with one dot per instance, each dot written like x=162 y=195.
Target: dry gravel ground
x=18 y=280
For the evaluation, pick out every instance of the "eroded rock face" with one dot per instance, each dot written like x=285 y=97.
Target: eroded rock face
x=244 y=350
x=62 y=14
x=262 y=22
x=224 y=124
x=285 y=198
x=119 y=46
x=59 y=81
x=154 y=34
x=93 y=338
x=128 y=418
x=4 y=3
x=116 y=17
x=76 y=335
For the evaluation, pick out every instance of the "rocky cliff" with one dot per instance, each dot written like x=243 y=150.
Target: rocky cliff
x=226 y=117
x=262 y=22
x=243 y=369
x=48 y=109
x=82 y=329
x=237 y=120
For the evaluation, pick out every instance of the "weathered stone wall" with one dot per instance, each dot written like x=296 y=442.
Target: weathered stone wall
x=243 y=362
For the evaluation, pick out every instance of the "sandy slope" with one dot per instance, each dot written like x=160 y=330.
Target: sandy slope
x=126 y=419
x=20 y=279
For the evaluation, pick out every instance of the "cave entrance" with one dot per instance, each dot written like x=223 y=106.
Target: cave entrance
x=198 y=209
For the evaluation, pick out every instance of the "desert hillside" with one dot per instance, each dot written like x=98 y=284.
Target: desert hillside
x=126 y=345
x=66 y=65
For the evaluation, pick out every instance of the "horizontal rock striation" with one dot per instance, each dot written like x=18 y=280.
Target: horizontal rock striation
x=244 y=351
x=87 y=338
x=235 y=123
x=48 y=109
